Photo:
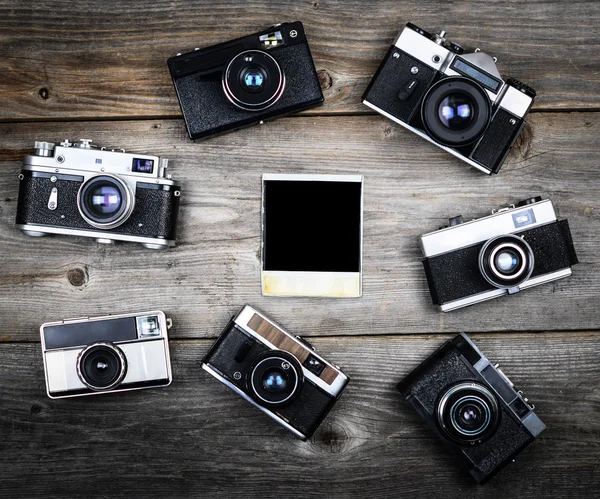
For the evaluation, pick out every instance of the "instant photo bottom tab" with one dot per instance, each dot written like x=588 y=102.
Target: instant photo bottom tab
x=312 y=235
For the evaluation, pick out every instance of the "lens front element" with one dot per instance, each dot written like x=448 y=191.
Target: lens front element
x=101 y=366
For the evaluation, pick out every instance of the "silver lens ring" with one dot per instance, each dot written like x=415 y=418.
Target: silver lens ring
x=479 y=430
x=497 y=250
x=124 y=215
x=114 y=349
x=492 y=274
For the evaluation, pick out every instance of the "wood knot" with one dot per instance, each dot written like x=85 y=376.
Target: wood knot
x=332 y=437
x=524 y=141
x=324 y=79
x=78 y=276
x=44 y=93
x=315 y=5
x=36 y=409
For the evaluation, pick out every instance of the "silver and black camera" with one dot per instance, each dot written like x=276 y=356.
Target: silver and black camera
x=472 y=406
x=245 y=81
x=515 y=248
x=279 y=373
x=85 y=190
x=88 y=356
x=455 y=99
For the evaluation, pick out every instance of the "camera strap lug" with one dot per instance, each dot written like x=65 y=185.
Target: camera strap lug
x=169 y=323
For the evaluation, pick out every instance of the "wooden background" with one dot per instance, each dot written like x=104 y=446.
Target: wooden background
x=97 y=70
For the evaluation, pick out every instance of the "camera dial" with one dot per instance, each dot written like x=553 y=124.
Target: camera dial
x=468 y=413
x=101 y=366
x=276 y=378
x=105 y=201
x=253 y=80
x=506 y=261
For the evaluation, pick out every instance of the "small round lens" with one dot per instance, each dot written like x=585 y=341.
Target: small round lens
x=507 y=261
x=101 y=366
x=456 y=111
x=274 y=380
x=254 y=79
x=471 y=416
x=105 y=199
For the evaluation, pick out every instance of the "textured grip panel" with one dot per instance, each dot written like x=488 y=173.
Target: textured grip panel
x=500 y=136
x=392 y=77
x=154 y=215
x=207 y=110
x=456 y=274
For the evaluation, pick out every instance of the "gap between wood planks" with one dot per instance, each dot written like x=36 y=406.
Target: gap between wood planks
x=488 y=334
x=305 y=114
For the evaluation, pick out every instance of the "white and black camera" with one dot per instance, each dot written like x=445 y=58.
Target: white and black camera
x=453 y=98
x=279 y=373
x=515 y=248
x=88 y=356
x=84 y=190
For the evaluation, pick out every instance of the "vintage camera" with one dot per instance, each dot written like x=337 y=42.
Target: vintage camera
x=279 y=373
x=472 y=406
x=84 y=190
x=245 y=81
x=454 y=99
x=88 y=356
x=515 y=248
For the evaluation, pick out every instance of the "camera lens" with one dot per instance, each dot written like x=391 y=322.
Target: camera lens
x=253 y=80
x=101 y=366
x=105 y=201
x=506 y=261
x=456 y=111
x=276 y=378
x=467 y=413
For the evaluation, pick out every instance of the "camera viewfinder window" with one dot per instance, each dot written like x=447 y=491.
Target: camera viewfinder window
x=142 y=165
x=312 y=226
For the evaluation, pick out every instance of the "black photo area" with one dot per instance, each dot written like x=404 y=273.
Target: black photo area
x=312 y=226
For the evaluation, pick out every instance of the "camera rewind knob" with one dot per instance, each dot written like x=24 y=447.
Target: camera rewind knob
x=43 y=148
x=456 y=220
x=85 y=143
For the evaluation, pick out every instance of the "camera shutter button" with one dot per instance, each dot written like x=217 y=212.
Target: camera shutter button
x=408 y=90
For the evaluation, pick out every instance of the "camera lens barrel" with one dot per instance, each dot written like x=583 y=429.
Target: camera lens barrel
x=105 y=201
x=456 y=111
x=253 y=80
x=276 y=378
x=506 y=261
x=468 y=413
x=101 y=366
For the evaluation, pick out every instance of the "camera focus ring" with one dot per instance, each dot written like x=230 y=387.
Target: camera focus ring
x=101 y=366
x=105 y=201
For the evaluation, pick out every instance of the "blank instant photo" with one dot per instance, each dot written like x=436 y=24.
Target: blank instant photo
x=312 y=235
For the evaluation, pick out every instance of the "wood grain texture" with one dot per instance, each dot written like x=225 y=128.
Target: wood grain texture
x=108 y=59
x=411 y=187
x=196 y=438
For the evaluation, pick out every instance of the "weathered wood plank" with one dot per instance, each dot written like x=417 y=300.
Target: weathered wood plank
x=216 y=267
x=196 y=438
x=108 y=59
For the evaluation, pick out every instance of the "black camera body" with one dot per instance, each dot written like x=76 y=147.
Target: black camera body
x=245 y=81
x=278 y=373
x=93 y=192
x=454 y=99
x=472 y=406
x=515 y=248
